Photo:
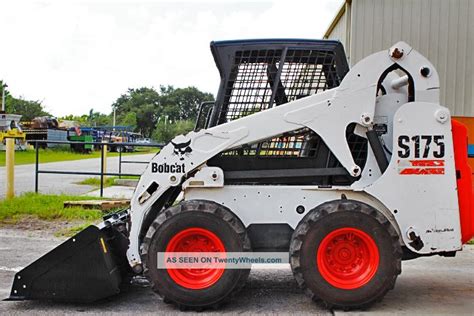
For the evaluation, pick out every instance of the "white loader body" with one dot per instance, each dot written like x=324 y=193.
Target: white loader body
x=408 y=192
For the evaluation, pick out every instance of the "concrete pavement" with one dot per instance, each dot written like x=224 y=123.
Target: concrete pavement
x=114 y=192
x=267 y=291
x=432 y=285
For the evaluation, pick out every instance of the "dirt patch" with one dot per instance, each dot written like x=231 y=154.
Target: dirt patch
x=33 y=224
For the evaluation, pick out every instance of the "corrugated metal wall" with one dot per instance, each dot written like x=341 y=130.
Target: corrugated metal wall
x=340 y=31
x=442 y=30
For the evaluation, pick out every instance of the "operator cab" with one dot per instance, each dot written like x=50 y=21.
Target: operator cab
x=259 y=74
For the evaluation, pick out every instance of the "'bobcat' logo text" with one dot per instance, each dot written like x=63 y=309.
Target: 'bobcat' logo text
x=165 y=168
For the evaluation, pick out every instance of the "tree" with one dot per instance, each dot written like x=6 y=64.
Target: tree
x=71 y=117
x=91 y=119
x=165 y=132
x=27 y=109
x=99 y=119
x=134 y=99
x=130 y=119
x=183 y=103
x=83 y=119
x=146 y=119
x=147 y=105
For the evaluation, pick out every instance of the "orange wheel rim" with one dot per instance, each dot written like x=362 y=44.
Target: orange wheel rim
x=348 y=258
x=195 y=240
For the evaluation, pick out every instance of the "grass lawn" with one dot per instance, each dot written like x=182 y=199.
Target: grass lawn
x=45 y=207
x=109 y=181
x=52 y=155
x=46 y=212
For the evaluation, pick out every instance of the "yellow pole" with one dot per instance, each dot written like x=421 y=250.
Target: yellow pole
x=10 y=166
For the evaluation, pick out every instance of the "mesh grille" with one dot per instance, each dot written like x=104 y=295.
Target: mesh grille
x=302 y=143
x=287 y=145
x=249 y=89
x=261 y=79
x=307 y=72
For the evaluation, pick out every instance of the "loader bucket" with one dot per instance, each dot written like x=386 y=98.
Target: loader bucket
x=84 y=268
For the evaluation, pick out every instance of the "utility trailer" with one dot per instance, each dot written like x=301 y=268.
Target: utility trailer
x=44 y=128
x=349 y=172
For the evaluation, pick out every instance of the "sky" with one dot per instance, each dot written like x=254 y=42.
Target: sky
x=77 y=55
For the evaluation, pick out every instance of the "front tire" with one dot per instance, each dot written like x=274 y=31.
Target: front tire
x=195 y=226
x=346 y=254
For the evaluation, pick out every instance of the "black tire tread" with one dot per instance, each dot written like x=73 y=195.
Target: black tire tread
x=189 y=206
x=337 y=206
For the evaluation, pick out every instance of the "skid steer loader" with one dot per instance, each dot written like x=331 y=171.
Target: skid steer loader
x=347 y=171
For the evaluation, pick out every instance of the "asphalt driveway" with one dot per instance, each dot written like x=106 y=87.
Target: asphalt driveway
x=432 y=285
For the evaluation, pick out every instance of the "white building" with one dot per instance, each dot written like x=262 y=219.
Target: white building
x=442 y=30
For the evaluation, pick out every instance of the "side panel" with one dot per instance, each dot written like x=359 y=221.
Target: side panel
x=261 y=204
x=419 y=186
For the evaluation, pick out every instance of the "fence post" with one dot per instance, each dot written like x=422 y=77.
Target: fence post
x=101 y=170
x=104 y=170
x=10 y=166
x=36 y=167
x=120 y=162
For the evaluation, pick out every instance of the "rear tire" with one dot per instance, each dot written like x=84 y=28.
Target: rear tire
x=220 y=229
x=345 y=254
